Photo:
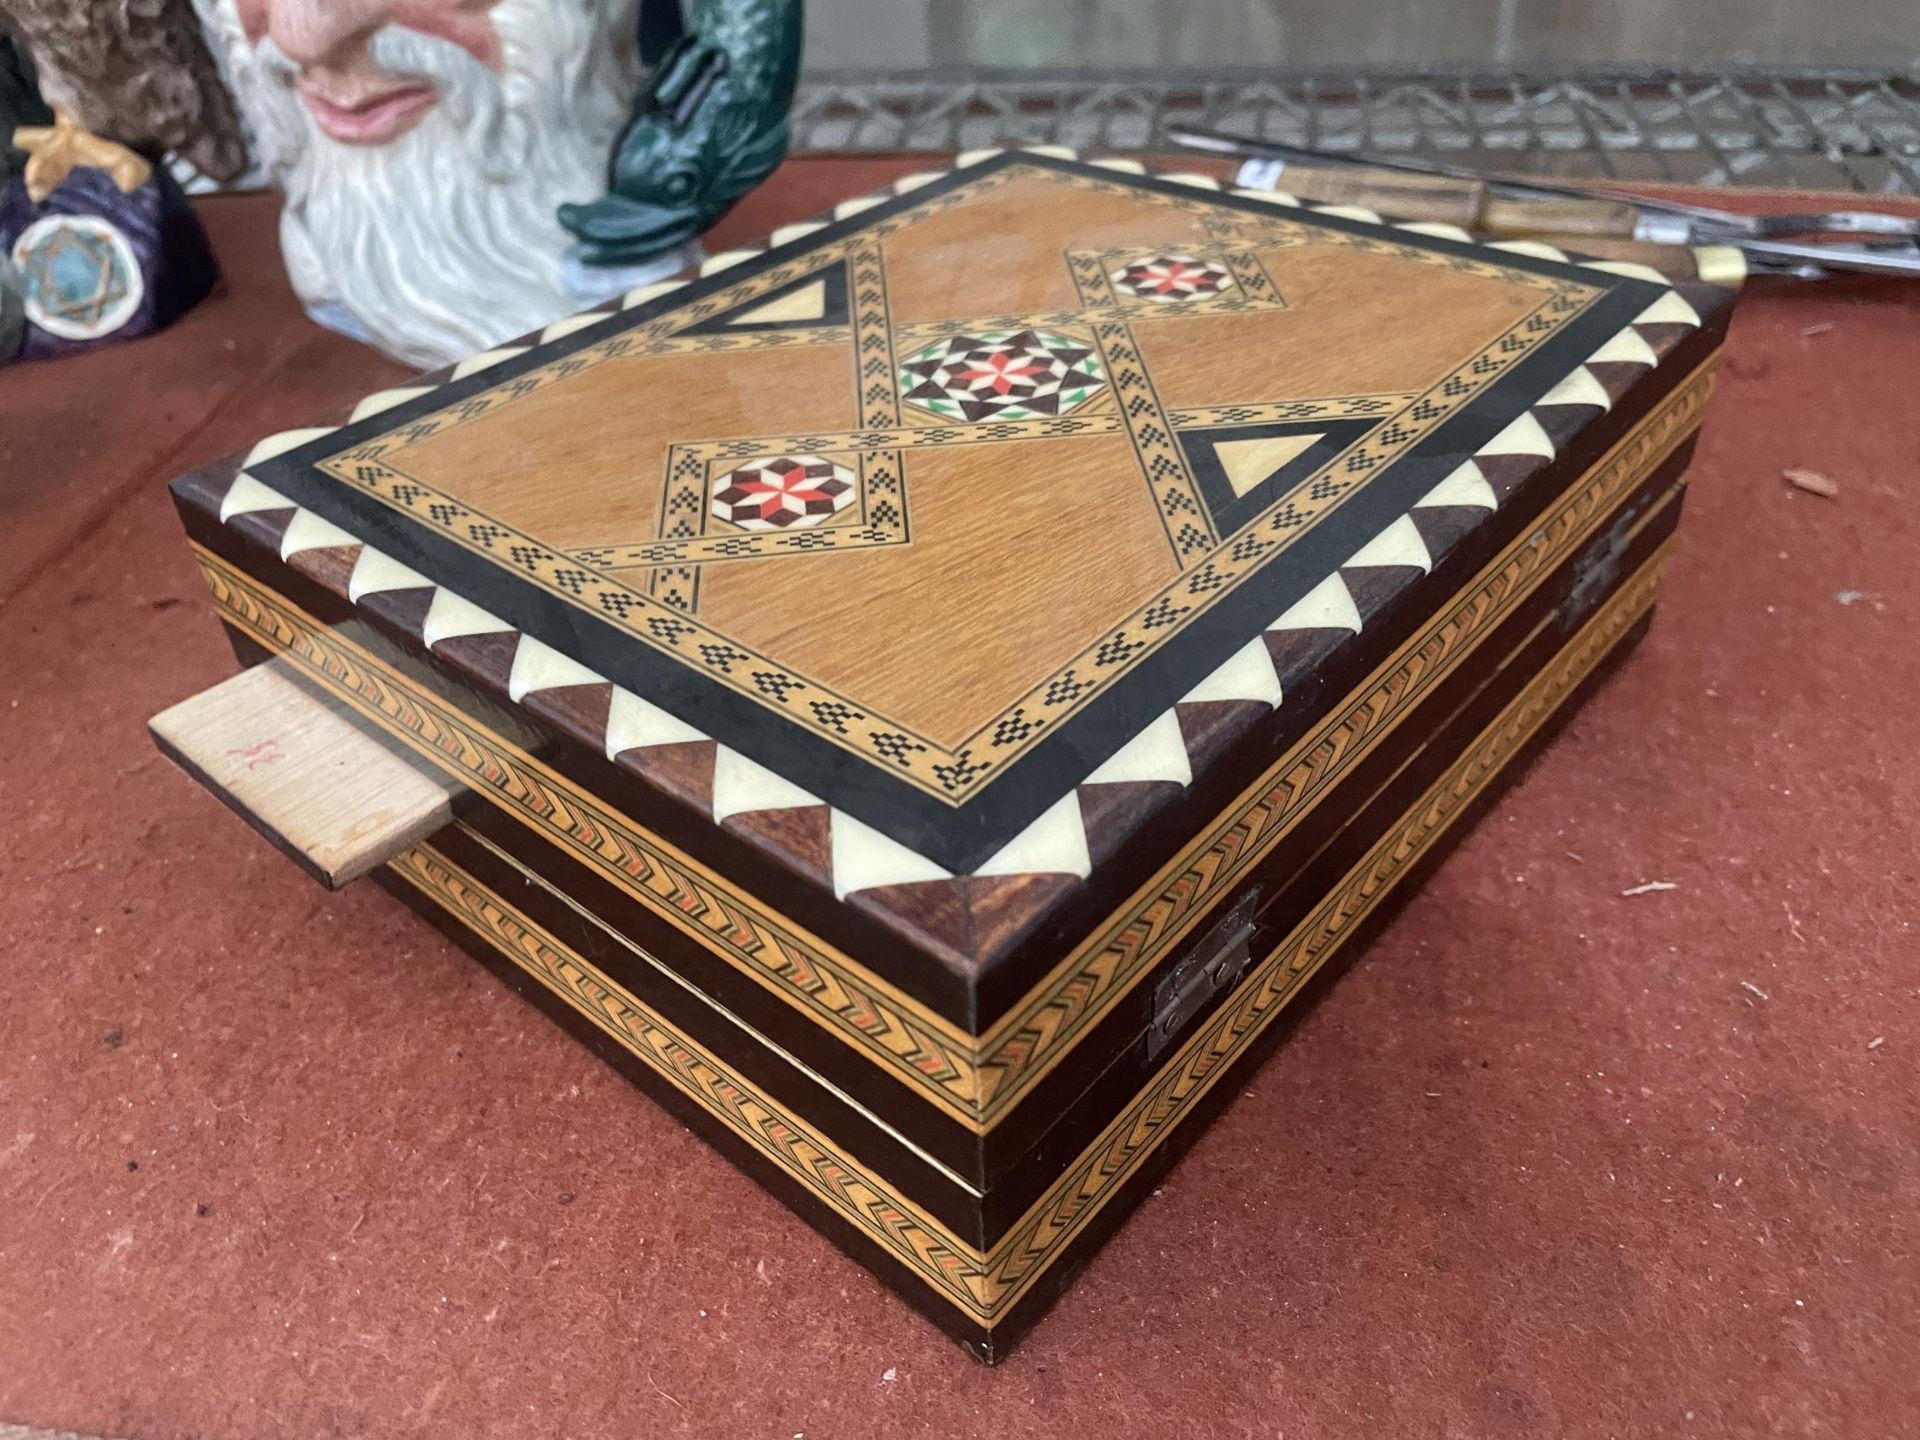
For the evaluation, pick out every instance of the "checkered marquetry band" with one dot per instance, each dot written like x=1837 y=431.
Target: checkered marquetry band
x=1057 y=842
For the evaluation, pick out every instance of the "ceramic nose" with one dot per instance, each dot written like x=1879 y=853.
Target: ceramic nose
x=313 y=32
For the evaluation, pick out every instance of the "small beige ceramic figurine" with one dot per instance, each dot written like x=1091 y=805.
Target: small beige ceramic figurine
x=425 y=147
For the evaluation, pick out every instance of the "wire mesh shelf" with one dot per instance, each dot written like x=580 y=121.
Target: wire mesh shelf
x=1832 y=129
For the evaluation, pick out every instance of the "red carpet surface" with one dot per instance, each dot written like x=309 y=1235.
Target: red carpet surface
x=1552 y=1160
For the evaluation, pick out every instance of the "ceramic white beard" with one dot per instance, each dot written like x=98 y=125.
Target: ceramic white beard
x=443 y=241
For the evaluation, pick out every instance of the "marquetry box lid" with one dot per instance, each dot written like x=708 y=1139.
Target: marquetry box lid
x=929 y=623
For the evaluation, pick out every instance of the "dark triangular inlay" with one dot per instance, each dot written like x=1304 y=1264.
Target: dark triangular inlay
x=800 y=835
x=1299 y=654
x=487 y=657
x=331 y=565
x=683 y=769
x=579 y=709
x=1112 y=814
x=1663 y=336
x=265 y=526
x=1374 y=586
x=1240 y=470
x=1442 y=526
x=1617 y=377
x=405 y=610
x=1505 y=474
x=817 y=298
x=1563 y=422
x=1210 y=726
x=1002 y=909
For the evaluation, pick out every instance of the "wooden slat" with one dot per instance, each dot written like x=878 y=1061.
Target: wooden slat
x=303 y=772
x=1456 y=202
x=1404 y=197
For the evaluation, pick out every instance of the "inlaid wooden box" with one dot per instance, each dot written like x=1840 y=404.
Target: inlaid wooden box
x=922 y=698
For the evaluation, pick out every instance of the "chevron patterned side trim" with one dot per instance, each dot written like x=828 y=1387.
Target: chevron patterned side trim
x=985 y=1284
x=1058 y=842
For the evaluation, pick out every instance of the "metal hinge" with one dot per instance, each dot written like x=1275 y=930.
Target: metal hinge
x=1219 y=959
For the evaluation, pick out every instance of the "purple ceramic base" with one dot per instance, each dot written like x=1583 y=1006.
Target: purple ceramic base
x=160 y=231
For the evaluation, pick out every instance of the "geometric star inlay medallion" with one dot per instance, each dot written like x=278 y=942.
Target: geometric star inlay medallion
x=1001 y=375
x=782 y=492
x=1169 y=279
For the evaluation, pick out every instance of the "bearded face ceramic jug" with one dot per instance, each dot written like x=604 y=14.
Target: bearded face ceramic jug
x=427 y=147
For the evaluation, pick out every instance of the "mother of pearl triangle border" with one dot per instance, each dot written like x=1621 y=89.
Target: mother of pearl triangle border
x=1057 y=843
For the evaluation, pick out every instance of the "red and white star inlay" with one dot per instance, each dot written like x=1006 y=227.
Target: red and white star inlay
x=1166 y=279
x=783 y=492
x=1001 y=373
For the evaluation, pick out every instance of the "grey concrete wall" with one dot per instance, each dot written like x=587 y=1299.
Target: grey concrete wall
x=1105 y=35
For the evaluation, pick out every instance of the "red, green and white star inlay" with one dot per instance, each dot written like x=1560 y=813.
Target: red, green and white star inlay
x=1168 y=279
x=1001 y=375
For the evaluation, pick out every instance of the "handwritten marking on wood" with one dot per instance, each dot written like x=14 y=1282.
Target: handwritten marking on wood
x=304 y=772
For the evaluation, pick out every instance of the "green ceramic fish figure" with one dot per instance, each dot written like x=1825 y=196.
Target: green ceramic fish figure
x=710 y=125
